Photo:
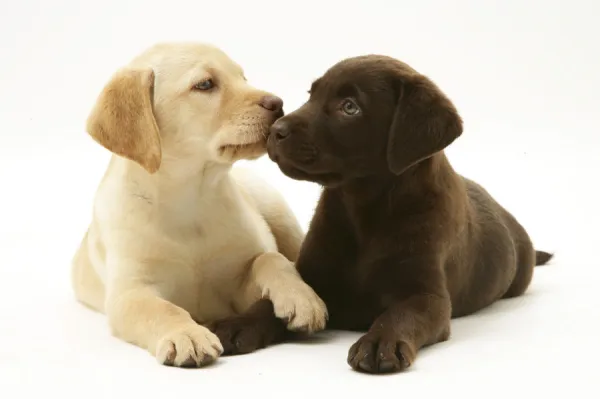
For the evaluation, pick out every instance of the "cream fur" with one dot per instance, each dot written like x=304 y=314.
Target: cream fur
x=178 y=237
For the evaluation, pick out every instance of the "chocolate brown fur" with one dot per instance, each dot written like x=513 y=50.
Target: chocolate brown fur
x=399 y=243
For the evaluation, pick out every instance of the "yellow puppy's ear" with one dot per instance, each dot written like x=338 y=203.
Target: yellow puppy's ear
x=122 y=120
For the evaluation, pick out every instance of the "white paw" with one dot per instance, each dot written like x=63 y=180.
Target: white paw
x=189 y=346
x=296 y=303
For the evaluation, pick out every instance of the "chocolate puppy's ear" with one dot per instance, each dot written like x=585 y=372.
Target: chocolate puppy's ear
x=425 y=122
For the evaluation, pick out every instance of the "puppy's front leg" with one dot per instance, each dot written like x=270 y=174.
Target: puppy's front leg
x=323 y=251
x=418 y=314
x=293 y=300
x=137 y=314
x=281 y=285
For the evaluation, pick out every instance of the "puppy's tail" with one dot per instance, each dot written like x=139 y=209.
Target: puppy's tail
x=541 y=257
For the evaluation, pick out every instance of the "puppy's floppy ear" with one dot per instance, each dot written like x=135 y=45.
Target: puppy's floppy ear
x=122 y=119
x=425 y=121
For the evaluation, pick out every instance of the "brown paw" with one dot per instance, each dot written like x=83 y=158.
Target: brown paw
x=240 y=335
x=376 y=354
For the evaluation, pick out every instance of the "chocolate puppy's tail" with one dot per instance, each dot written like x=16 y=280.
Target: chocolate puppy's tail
x=541 y=257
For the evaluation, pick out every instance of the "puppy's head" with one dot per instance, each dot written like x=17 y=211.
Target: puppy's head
x=183 y=104
x=366 y=115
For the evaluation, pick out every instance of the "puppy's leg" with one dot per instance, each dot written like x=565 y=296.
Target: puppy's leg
x=293 y=300
x=392 y=342
x=288 y=303
x=420 y=317
x=255 y=329
x=137 y=314
x=324 y=253
x=274 y=209
x=286 y=229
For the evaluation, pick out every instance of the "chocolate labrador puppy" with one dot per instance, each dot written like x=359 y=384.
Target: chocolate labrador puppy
x=399 y=243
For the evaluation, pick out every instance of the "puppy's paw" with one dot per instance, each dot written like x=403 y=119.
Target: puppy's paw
x=299 y=306
x=242 y=334
x=190 y=346
x=374 y=353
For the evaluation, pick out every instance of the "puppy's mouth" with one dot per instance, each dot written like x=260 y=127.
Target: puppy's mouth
x=250 y=150
x=243 y=146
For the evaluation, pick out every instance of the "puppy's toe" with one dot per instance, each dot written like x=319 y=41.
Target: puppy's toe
x=166 y=352
x=189 y=347
x=377 y=355
x=285 y=309
x=214 y=342
x=310 y=314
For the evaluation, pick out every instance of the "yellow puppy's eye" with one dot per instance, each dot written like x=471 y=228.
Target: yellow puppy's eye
x=349 y=107
x=206 y=84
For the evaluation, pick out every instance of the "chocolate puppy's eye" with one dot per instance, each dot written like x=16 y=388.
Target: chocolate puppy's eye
x=349 y=107
x=205 y=85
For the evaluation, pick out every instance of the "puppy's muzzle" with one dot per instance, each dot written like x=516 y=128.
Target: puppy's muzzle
x=280 y=130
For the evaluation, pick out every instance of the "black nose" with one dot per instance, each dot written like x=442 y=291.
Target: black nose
x=280 y=130
x=271 y=103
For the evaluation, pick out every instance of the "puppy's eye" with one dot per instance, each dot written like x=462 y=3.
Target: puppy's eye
x=349 y=107
x=205 y=85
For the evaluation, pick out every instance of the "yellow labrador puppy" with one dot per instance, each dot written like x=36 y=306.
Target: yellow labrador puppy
x=179 y=237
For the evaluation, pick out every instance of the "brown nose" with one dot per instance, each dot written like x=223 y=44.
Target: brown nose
x=280 y=130
x=271 y=103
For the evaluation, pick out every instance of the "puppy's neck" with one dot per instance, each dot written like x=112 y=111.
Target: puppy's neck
x=174 y=180
x=428 y=176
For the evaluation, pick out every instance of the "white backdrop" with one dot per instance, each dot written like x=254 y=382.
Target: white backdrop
x=523 y=74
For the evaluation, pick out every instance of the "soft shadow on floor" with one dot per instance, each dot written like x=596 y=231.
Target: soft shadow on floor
x=312 y=339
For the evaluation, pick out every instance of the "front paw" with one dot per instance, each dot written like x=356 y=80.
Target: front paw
x=299 y=306
x=189 y=346
x=243 y=334
x=377 y=354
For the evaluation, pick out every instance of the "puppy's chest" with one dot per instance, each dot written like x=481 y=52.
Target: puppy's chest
x=221 y=246
x=231 y=238
x=353 y=300
x=374 y=267
x=364 y=289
